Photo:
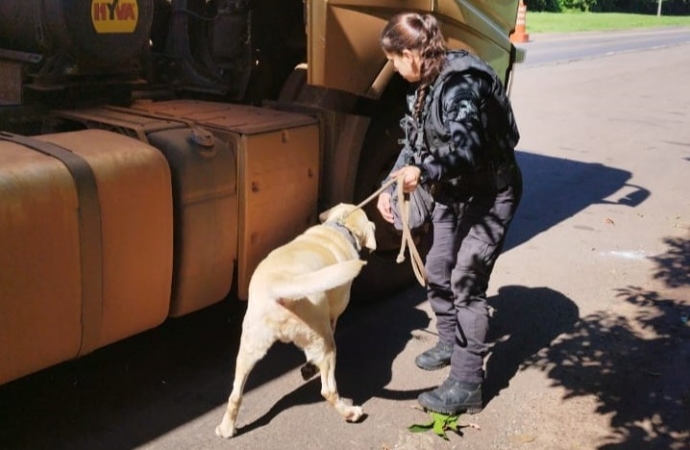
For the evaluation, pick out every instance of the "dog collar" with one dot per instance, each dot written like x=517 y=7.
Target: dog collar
x=345 y=231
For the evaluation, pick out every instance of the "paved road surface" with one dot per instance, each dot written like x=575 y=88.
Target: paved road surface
x=590 y=344
x=559 y=48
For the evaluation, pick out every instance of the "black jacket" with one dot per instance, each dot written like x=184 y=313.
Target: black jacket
x=468 y=123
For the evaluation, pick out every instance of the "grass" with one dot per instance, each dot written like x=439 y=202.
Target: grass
x=569 y=22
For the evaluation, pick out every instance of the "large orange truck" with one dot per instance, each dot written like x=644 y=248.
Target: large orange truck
x=152 y=152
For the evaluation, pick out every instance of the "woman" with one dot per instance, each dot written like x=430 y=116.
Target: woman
x=460 y=136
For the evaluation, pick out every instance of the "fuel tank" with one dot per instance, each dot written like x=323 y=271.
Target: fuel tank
x=86 y=239
x=95 y=34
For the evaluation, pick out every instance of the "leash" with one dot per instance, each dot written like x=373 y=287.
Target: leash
x=376 y=193
x=407 y=240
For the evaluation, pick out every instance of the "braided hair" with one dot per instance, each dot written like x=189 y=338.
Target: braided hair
x=414 y=31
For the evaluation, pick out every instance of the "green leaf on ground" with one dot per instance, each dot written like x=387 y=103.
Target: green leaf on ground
x=440 y=423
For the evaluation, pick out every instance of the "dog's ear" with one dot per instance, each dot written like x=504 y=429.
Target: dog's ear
x=338 y=210
x=324 y=216
x=327 y=214
x=370 y=237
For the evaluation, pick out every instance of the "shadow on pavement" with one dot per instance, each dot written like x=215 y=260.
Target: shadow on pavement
x=126 y=394
x=636 y=364
x=556 y=189
x=376 y=338
x=524 y=321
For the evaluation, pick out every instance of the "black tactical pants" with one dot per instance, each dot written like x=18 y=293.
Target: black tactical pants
x=468 y=234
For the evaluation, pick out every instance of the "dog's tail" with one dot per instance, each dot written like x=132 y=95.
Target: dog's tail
x=300 y=286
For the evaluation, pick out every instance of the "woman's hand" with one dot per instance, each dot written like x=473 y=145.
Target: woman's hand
x=384 y=206
x=410 y=176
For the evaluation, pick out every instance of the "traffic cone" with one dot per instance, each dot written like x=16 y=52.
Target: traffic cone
x=520 y=33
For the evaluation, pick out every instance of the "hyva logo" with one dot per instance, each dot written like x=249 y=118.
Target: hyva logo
x=114 y=16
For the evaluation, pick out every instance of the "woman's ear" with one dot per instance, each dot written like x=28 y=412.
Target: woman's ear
x=413 y=58
x=408 y=55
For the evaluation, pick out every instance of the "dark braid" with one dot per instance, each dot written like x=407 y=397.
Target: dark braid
x=413 y=31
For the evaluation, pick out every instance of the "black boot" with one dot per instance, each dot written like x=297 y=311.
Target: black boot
x=453 y=397
x=436 y=357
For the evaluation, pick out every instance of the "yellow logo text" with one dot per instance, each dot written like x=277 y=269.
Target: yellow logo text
x=114 y=16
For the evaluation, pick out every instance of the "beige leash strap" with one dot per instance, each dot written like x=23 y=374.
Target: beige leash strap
x=408 y=240
x=376 y=193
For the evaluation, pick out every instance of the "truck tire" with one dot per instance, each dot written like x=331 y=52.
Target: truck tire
x=383 y=275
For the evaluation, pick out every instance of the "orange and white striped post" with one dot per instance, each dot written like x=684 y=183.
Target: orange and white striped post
x=520 y=33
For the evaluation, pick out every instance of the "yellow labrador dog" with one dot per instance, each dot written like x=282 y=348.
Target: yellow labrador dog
x=296 y=294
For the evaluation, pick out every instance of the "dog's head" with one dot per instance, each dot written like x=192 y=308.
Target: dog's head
x=356 y=221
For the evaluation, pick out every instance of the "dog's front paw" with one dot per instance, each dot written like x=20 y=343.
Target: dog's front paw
x=349 y=412
x=353 y=413
x=225 y=431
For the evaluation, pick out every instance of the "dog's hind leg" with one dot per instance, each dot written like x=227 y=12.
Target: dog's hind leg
x=250 y=352
x=309 y=369
x=329 y=388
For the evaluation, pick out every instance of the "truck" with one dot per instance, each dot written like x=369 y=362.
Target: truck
x=152 y=152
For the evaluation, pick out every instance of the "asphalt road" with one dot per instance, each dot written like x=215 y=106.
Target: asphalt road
x=589 y=332
x=562 y=48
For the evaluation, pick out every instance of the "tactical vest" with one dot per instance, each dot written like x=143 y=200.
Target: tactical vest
x=500 y=130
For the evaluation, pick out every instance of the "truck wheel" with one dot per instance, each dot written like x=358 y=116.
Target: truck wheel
x=383 y=275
